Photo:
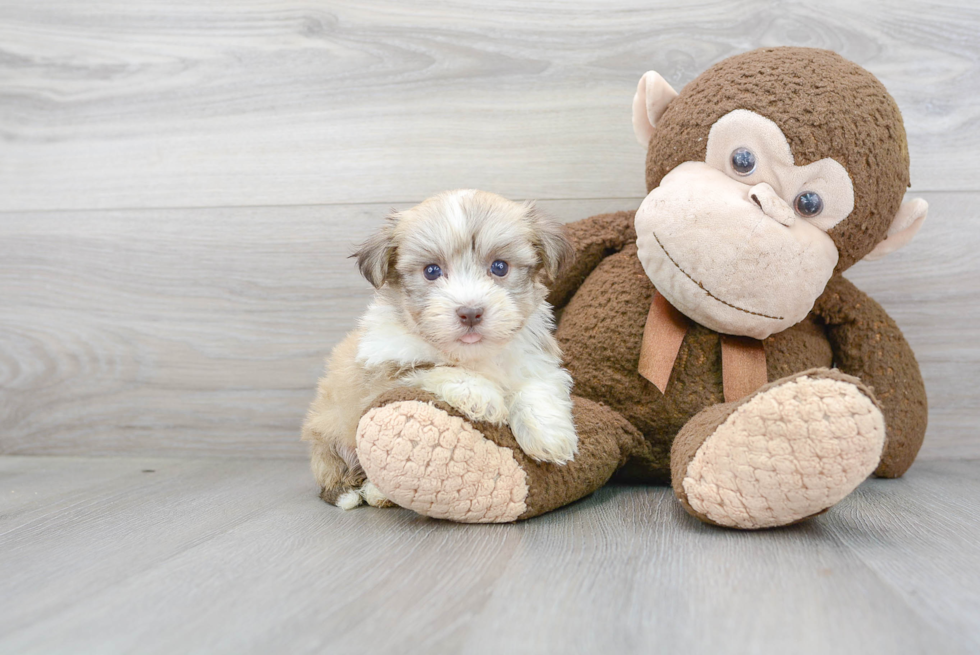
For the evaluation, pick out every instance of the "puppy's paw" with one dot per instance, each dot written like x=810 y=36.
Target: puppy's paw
x=373 y=496
x=346 y=497
x=342 y=496
x=476 y=397
x=340 y=475
x=544 y=438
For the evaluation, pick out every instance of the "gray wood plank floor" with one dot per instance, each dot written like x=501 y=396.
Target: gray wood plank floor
x=150 y=555
x=251 y=102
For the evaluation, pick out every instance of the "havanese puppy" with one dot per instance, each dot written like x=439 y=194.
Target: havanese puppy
x=459 y=312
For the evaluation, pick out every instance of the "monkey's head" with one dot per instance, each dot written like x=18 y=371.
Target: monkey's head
x=766 y=175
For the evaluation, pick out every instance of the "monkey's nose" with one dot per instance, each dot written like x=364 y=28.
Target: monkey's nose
x=771 y=204
x=470 y=316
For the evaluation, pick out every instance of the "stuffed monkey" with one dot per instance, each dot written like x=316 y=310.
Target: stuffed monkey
x=713 y=342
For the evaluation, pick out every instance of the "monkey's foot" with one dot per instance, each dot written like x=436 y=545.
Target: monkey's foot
x=788 y=452
x=439 y=465
x=425 y=456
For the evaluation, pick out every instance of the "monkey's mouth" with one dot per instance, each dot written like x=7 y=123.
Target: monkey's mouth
x=701 y=286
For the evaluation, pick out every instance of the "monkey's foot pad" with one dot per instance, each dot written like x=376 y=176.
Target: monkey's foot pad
x=438 y=465
x=788 y=453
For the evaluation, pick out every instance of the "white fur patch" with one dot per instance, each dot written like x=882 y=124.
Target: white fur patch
x=469 y=392
x=349 y=500
x=541 y=420
x=520 y=381
x=387 y=340
x=372 y=495
x=412 y=333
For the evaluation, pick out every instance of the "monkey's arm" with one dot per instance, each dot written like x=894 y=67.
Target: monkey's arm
x=593 y=239
x=868 y=344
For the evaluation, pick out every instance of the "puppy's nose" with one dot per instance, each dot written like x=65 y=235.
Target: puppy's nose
x=470 y=316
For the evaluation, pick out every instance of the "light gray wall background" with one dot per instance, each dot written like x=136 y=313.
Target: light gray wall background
x=180 y=184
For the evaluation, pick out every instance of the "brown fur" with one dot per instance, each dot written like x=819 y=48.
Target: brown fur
x=607 y=441
x=826 y=107
x=850 y=118
x=600 y=333
x=869 y=345
x=601 y=328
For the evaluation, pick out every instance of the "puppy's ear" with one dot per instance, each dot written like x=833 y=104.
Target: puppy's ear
x=554 y=249
x=376 y=256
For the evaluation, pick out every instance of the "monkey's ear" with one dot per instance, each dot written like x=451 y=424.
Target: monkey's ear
x=907 y=222
x=376 y=255
x=653 y=94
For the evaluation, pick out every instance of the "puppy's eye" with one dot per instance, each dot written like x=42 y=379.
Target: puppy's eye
x=499 y=268
x=432 y=271
x=743 y=161
x=808 y=204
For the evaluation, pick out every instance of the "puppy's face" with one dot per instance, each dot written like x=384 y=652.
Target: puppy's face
x=466 y=267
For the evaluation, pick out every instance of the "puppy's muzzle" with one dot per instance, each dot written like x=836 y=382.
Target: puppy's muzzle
x=470 y=316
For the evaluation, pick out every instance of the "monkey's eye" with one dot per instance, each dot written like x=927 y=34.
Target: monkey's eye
x=808 y=204
x=499 y=268
x=432 y=271
x=743 y=161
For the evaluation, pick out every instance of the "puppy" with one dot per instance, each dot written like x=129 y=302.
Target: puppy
x=459 y=312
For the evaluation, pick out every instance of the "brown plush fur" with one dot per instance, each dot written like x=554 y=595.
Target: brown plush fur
x=601 y=328
x=600 y=333
x=826 y=107
x=868 y=345
x=607 y=441
x=849 y=117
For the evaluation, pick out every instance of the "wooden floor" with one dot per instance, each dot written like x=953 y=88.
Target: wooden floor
x=152 y=555
x=180 y=185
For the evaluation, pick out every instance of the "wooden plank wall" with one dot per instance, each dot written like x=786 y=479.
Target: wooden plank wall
x=180 y=184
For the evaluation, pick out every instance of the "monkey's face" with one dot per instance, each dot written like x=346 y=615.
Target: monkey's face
x=734 y=233
x=739 y=241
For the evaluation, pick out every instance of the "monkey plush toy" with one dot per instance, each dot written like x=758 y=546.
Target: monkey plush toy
x=712 y=339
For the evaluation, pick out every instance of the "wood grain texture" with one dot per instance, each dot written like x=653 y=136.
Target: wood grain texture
x=932 y=290
x=166 y=331
x=240 y=556
x=174 y=332
x=180 y=185
x=185 y=104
